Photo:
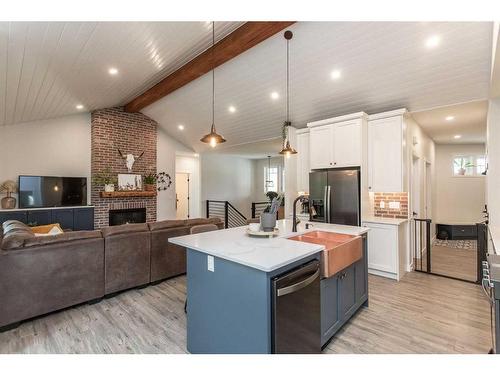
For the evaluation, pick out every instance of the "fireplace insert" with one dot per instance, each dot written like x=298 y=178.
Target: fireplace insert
x=127 y=216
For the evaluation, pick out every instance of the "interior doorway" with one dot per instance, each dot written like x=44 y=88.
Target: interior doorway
x=182 y=195
x=416 y=238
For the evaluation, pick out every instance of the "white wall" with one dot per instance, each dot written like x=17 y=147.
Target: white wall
x=191 y=164
x=167 y=150
x=425 y=151
x=493 y=152
x=227 y=178
x=458 y=198
x=56 y=147
x=291 y=191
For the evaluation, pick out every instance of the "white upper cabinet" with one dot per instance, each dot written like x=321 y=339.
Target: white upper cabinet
x=303 y=168
x=336 y=142
x=321 y=147
x=347 y=144
x=386 y=154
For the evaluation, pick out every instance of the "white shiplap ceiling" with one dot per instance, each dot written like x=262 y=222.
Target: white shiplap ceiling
x=255 y=150
x=384 y=66
x=47 y=68
x=466 y=120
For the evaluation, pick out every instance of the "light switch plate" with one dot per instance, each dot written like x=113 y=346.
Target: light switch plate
x=210 y=263
x=394 y=205
x=382 y=204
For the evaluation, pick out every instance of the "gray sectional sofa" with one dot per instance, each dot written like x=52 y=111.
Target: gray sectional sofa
x=39 y=275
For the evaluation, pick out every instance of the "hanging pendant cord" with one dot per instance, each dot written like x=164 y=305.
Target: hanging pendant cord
x=213 y=73
x=287 y=80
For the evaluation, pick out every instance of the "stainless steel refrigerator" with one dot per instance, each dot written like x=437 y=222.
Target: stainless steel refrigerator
x=334 y=196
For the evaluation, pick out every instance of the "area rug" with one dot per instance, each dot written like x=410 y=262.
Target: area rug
x=457 y=244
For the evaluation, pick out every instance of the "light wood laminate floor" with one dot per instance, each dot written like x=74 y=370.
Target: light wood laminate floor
x=420 y=314
x=454 y=262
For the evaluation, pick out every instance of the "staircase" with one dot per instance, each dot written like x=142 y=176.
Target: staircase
x=226 y=212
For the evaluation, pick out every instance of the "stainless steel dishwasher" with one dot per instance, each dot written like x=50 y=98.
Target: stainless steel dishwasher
x=296 y=323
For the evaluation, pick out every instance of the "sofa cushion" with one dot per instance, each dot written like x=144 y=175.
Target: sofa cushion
x=124 y=229
x=201 y=221
x=49 y=229
x=63 y=237
x=15 y=235
x=166 y=224
x=9 y=222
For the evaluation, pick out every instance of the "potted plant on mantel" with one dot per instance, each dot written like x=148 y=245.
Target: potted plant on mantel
x=161 y=178
x=106 y=179
x=150 y=181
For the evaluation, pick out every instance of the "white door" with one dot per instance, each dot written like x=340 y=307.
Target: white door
x=321 y=147
x=347 y=144
x=182 y=195
x=415 y=207
x=385 y=155
x=428 y=195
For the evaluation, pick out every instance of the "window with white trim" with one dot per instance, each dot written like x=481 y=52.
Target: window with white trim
x=273 y=179
x=469 y=165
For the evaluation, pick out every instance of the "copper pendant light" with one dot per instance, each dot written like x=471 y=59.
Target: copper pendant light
x=213 y=138
x=287 y=149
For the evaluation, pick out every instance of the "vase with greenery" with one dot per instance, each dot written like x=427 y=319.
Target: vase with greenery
x=105 y=178
x=462 y=164
x=271 y=195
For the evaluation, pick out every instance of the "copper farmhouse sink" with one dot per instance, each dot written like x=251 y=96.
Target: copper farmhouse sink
x=341 y=250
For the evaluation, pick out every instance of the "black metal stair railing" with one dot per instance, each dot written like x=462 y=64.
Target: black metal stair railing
x=226 y=212
x=258 y=208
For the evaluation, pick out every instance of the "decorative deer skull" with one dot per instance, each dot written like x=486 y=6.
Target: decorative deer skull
x=130 y=159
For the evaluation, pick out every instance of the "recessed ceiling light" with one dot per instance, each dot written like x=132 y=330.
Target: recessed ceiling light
x=450 y=118
x=458 y=136
x=275 y=95
x=231 y=109
x=113 y=71
x=335 y=74
x=79 y=106
x=180 y=127
x=432 y=41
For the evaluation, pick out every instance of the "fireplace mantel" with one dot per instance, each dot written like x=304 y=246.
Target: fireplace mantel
x=127 y=194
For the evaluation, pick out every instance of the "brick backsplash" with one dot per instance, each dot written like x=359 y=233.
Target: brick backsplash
x=114 y=129
x=402 y=198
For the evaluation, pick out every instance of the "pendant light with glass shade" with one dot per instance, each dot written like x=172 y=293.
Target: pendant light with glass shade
x=213 y=138
x=287 y=149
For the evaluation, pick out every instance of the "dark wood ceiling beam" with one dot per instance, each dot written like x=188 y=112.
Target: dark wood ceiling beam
x=242 y=39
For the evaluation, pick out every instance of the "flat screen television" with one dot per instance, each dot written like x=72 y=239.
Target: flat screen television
x=46 y=191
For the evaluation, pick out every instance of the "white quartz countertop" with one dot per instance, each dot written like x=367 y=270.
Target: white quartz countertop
x=383 y=220
x=263 y=253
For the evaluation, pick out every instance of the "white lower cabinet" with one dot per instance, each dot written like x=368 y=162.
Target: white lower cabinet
x=387 y=249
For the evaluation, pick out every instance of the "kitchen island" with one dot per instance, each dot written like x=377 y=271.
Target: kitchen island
x=231 y=305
